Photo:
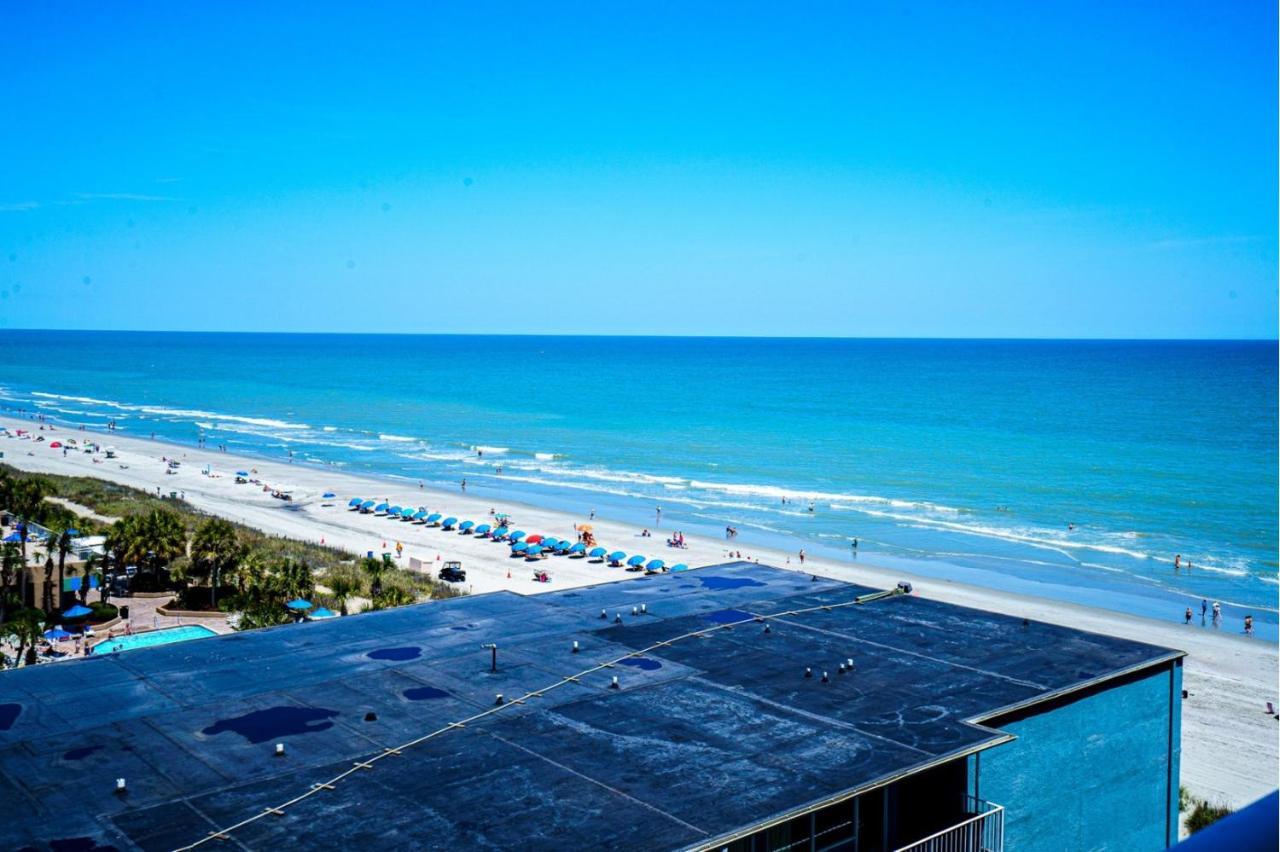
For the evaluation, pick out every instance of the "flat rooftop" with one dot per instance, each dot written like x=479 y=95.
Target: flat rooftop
x=714 y=731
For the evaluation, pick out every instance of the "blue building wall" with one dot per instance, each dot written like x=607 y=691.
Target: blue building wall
x=1097 y=772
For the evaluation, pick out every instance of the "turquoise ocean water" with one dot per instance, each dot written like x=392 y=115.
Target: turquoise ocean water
x=964 y=459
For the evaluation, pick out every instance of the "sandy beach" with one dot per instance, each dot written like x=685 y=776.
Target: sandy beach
x=1229 y=743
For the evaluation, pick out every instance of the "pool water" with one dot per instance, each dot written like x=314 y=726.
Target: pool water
x=156 y=637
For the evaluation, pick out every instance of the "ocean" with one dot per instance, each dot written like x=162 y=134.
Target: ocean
x=1070 y=469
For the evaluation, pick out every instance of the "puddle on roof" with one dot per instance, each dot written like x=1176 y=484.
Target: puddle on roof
x=261 y=726
x=80 y=753
x=399 y=655
x=8 y=715
x=721 y=583
x=424 y=693
x=728 y=616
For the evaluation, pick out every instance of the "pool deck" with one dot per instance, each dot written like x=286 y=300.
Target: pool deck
x=713 y=725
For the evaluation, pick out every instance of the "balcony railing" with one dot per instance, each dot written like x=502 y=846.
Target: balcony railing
x=982 y=832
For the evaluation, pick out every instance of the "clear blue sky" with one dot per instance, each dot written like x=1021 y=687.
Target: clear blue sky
x=929 y=169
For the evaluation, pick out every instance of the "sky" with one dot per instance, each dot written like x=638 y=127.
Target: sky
x=945 y=169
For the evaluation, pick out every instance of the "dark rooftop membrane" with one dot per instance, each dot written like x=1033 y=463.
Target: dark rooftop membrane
x=703 y=737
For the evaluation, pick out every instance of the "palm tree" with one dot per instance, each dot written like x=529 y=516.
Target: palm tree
x=63 y=543
x=25 y=497
x=9 y=563
x=343 y=584
x=28 y=626
x=165 y=536
x=376 y=569
x=215 y=551
x=46 y=598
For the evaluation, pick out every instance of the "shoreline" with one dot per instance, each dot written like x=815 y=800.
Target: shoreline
x=1229 y=678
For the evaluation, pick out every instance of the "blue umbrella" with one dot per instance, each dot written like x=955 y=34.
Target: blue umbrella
x=354 y=501
x=449 y=523
x=636 y=560
x=77 y=611
x=433 y=517
x=381 y=507
x=13 y=537
x=73 y=532
x=299 y=603
x=655 y=565
x=328 y=495
x=519 y=547
x=617 y=556
x=394 y=510
x=482 y=529
x=242 y=473
x=466 y=525
x=57 y=634
x=500 y=532
x=517 y=535
x=680 y=567
x=533 y=550
x=597 y=552
x=578 y=547
x=322 y=613
x=420 y=514
x=366 y=506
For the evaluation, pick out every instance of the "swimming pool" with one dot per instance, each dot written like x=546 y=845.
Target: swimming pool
x=156 y=637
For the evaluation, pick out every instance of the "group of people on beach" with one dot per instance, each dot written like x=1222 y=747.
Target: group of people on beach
x=1217 y=616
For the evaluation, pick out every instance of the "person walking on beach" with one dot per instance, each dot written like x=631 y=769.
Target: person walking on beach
x=659 y=516
x=1248 y=625
x=802 y=556
x=1188 y=621
x=1217 y=615
x=464 y=485
x=1204 y=608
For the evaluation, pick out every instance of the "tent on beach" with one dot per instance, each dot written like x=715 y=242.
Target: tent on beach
x=615 y=558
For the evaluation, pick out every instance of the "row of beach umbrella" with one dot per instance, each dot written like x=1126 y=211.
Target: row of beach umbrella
x=522 y=544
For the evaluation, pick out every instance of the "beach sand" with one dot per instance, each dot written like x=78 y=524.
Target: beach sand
x=1229 y=743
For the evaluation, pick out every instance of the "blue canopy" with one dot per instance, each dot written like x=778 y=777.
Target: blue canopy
x=533 y=550
x=299 y=603
x=13 y=537
x=500 y=532
x=354 y=501
x=466 y=525
x=482 y=529
x=519 y=547
x=597 y=552
x=449 y=522
x=57 y=634
x=517 y=535
x=381 y=507
x=242 y=473
x=77 y=611
x=636 y=560
x=433 y=517
x=655 y=565
x=322 y=613
x=680 y=567
x=72 y=531
x=328 y=495
x=394 y=510
x=617 y=556
x=420 y=514
x=366 y=506
x=578 y=547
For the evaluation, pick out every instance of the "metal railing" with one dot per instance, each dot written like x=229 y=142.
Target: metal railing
x=982 y=832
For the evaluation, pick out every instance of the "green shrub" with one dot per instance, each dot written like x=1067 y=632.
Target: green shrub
x=1204 y=814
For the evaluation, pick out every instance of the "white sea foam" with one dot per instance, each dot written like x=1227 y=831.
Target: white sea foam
x=545 y=456
x=396 y=438
x=329 y=428
x=495 y=451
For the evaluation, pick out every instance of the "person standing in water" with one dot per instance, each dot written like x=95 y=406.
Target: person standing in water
x=1188 y=621
x=464 y=485
x=1204 y=608
x=1248 y=625
x=802 y=556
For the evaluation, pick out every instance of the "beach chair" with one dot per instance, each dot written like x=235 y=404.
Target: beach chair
x=1271 y=710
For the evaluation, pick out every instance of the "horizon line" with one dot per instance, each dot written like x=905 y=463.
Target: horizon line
x=651 y=336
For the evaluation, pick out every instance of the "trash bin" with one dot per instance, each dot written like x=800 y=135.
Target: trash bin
x=124 y=612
